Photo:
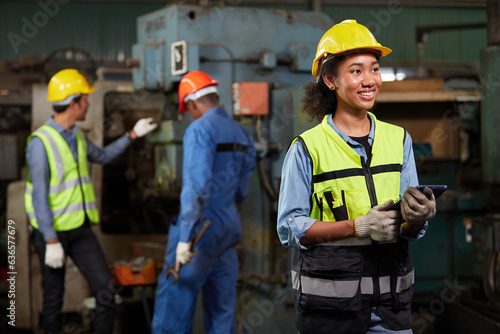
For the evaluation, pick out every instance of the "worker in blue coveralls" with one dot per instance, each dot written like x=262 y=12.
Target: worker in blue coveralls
x=351 y=271
x=60 y=199
x=218 y=161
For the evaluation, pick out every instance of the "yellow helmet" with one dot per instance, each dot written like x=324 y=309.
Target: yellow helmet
x=346 y=36
x=67 y=82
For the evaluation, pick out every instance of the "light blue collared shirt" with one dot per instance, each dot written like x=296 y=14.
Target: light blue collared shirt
x=39 y=170
x=295 y=192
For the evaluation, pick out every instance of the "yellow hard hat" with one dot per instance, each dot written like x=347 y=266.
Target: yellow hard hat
x=346 y=36
x=67 y=82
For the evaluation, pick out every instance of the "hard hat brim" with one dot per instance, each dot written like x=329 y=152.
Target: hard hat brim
x=381 y=50
x=90 y=90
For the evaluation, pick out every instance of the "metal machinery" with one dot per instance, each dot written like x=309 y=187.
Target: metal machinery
x=262 y=59
x=477 y=310
x=444 y=124
x=15 y=124
x=114 y=94
x=442 y=118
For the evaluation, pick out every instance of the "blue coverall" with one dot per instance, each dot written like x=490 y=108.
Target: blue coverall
x=218 y=161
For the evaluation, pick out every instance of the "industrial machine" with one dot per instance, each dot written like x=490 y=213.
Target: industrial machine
x=100 y=126
x=443 y=120
x=262 y=58
x=477 y=309
x=260 y=75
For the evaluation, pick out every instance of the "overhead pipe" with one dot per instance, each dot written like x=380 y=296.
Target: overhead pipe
x=493 y=16
x=424 y=30
x=316 y=6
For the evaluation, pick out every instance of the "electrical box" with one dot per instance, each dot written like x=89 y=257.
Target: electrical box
x=250 y=98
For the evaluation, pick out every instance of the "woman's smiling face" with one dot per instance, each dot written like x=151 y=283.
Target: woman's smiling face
x=357 y=82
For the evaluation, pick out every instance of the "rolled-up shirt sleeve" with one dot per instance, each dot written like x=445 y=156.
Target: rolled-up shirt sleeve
x=295 y=194
x=109 y=152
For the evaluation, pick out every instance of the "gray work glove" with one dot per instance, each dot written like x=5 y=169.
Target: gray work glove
x=380 y=223
x=418 y=207
x=54 y=255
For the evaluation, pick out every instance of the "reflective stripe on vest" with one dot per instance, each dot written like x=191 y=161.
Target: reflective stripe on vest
x=348 y=288
x=71 y=193
x=344 y=186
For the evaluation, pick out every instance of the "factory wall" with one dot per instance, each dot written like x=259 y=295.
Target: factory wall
x=108 y=30
x=395 y=26
x=104 y=30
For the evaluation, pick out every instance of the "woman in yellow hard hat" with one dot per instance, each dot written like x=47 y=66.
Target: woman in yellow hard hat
x=351 y=271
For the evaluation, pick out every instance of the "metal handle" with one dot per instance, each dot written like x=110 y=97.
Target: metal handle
x=200 y=233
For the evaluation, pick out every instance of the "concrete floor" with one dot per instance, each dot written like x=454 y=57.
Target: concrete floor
x=130 y=319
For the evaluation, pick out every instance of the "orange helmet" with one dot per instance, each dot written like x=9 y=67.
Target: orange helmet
x=194 y=85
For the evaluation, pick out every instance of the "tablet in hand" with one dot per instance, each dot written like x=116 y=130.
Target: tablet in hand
x=438 y=190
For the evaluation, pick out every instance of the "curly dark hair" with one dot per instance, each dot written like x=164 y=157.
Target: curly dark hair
x=319 y=100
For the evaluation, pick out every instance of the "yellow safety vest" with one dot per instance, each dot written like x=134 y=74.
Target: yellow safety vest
x=343 y=278
x=71 y=193
x=344 y=186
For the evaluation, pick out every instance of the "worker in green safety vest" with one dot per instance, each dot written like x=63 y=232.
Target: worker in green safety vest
x=351 y=271
x=60 y=200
